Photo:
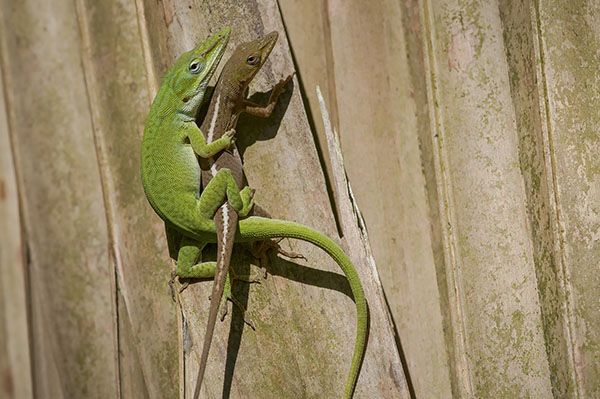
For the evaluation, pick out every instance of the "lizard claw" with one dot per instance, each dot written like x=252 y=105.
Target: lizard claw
x=289 y=77
x=230 y=134
x=184 y=286
x=171 y=284
x=250 y=323
x=224 y=311
x=280 y=86
x=284 y=82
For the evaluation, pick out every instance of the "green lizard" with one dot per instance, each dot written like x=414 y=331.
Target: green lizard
x=171 y=179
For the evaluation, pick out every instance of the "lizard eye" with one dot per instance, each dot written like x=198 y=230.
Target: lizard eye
x=253 y=60
x=195 y=66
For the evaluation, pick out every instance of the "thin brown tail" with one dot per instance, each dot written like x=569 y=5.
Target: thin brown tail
x=226 y=221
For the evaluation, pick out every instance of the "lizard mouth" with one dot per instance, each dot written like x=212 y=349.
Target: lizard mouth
x=268 y=42
x=215 y=52
x=220 y=42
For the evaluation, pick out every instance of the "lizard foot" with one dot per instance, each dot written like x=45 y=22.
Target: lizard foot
x=244 y=277
x=280 y=86
x=230 y=134
x=228 y=296
x=184 y=286
x=225 y=310
x=172 y=284
x=247 y=194
x=259 y=250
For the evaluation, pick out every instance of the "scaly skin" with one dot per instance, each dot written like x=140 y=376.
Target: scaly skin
x=228 y=102
x=171 y=130
x=171 y=179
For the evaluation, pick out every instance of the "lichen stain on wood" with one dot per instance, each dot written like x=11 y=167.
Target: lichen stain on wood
x=461 y=50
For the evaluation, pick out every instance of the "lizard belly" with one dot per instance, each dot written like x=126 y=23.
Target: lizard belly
x=172 y=183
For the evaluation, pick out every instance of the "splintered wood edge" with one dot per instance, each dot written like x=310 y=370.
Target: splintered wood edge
x=350 y=215
x=353 y=224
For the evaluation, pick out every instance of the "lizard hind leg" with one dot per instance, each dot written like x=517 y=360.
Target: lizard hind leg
x=188 y=256
x=260 y=250
x=223 y=187
x=228 y=296
x=187 y=261
x=188 y=267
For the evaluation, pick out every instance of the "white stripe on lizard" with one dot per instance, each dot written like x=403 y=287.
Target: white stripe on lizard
x=211 y=130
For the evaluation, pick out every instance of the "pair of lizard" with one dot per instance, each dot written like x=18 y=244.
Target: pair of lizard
x=178 y=158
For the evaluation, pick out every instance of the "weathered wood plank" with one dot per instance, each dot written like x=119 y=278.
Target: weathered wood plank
x=305 y=333
x=567 y=60
x=64 y=225
x=15 y=364
x=521 y=38
x=111 y=47
x=307 y=28
x=496 y=327
x=357 y=245
x=377 y=107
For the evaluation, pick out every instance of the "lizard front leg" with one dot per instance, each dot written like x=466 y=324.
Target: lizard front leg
x=204 y=149
x=266 y=111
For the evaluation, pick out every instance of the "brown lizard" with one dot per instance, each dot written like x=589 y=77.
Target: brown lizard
x=228 y=101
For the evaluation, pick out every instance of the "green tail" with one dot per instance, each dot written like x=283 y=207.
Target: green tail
x=256 y=229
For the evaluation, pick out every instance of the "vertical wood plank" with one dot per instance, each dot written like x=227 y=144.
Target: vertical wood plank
x=307 y=28
x=15 y=364
x=496 y=321
x=111 y=46
x=378 y=128
x=521 y=41
x=61 y=200
x=305 y=332
x=567 y=39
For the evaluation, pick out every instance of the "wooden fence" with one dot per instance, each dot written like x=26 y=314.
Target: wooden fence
x=470 y=135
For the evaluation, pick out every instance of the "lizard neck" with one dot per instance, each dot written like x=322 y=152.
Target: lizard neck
x=225 y=106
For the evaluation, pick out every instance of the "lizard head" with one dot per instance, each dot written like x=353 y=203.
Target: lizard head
x=190 y=75
x=249 y=57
